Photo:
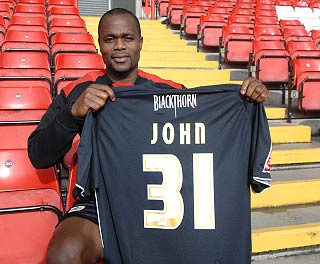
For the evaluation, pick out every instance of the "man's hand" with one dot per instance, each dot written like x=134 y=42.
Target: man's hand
x=254 y=90
x=94 y=97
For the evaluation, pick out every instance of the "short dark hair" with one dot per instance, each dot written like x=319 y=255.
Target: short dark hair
x=121 y=11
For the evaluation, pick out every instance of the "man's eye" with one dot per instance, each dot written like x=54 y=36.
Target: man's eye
x=128 y=38
x=108 y=39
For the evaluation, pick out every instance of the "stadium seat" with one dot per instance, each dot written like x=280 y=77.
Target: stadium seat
x=225 y=12
x=306 y=81
x=315 y=34
x=69 y=67
x=302 y=49
x=268 y=58
x=175 y=11
x=6 y=13
x=39 y=2
x=66 y=25
x=25 y=69
x=15 y=135
x=30 y=10
x=190 y=18
x=228 y=5
x=241 y=20
x=18 y=40
x=28 y=23
x=266 y=21
x=265 y=32
x=57 y=3
x=69 y=12
x=265 y=13
x=235 y=45
x=21 y=104
x=210 y=30
x=30 y=208
x=161 y=7
x=244 y=12
x=71 y=43
x=203 y=3
x=2 y=30
x=296 y=34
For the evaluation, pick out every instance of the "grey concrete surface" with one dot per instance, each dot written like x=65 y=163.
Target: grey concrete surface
x=303 y=258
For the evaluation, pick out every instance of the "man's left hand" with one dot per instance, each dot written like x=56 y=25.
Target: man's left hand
x=254 y=90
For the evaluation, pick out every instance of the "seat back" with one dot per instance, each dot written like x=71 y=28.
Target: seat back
x=23 y=104
x=30 y=207
x=71 y=66
x=24 y=69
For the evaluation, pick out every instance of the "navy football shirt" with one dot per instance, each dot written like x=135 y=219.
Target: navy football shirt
x=172 y=171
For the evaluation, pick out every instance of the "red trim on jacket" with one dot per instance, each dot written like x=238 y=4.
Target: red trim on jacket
x=92 y=76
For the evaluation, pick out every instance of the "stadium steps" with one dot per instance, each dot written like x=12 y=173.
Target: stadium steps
x=287 y=215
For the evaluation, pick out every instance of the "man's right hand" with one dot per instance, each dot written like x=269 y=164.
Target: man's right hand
x=94 y=97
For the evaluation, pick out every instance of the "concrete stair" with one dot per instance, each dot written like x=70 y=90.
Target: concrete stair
x=285 y=217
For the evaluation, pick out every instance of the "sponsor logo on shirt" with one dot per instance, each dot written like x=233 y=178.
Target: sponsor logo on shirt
x=174 y=101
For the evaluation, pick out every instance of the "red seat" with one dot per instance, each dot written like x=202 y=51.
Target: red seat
x=76 y=25
x=210 y=30
x=6 y=13
x=62 y=11
x=235 y=45
x=241 y=20
x=23 y=104
x=190 y=19
x=301 y=48
x=315 y=34
x=161 y=7
x=72 y=43
x=15 y=135
x=25 y=69
x=306 y=82
x=270 y=57
x=30 y=10
x=290 y=23
x=30 y=207
x=16 y=40
x=22 y=23
x=265 y=13
x=265 y=32
x=266 y=21
x=175 y=11
x=69 y=67
x=2 y=30
x=219 y=11
x=296 y=34
x=203 y=3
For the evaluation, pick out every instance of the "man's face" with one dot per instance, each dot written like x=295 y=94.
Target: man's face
x=120 y=44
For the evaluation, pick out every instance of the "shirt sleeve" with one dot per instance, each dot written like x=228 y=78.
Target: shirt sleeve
x=260 y=150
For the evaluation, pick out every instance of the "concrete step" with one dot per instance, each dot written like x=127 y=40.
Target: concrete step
x=287 y=227
x=309 y=255
x=296 y=153
x=286 y=186
x=289 y=133
x=275 y=113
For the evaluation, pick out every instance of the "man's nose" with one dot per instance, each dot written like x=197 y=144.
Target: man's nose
x=120 y=44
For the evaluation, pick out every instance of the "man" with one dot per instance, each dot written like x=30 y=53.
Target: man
x=77 y=239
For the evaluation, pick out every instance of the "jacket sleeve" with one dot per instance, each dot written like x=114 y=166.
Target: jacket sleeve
x=53 y=137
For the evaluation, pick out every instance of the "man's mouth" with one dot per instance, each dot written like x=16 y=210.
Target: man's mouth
x=120 y=58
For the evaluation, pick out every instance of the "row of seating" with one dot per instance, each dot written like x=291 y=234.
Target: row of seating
x=53 y=30
x=268 y=36
x=31 y=199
